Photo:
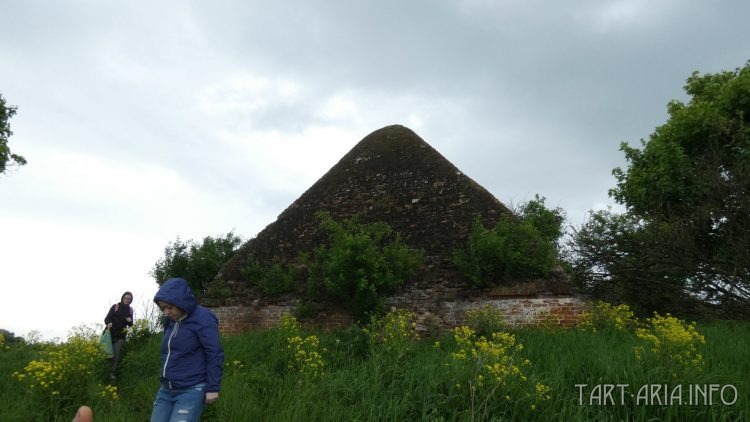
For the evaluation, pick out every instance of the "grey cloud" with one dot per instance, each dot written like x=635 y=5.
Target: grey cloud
x=534 y=88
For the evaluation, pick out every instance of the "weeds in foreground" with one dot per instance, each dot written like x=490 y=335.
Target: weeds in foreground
x=488 y=369
x=61 y=375
x=387 y=372
x=304 y=354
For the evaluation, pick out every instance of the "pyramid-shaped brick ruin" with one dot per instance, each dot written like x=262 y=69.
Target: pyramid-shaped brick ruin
x=394 y=176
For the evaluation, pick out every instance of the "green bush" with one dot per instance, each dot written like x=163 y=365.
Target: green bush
x=63 y=373
x=605 y=316
x=198 y=263
x=520 y=246
x=141 y=331
x=492 y=370
x=271 y=280
x=360 y=263
x=485 y=320
x=548 y=222
x=218 y=289
x=393 y=335
x=511 y=250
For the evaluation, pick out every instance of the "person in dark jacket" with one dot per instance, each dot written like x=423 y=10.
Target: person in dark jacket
x=119 y=317
x=191 y=355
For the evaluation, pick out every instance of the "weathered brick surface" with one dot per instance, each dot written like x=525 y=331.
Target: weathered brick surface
x=563 y=311
x=440 y=307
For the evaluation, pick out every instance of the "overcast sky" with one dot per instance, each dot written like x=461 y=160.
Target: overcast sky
x=142 y=121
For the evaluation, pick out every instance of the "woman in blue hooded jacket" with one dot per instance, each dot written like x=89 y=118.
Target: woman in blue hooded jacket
x=191 y=355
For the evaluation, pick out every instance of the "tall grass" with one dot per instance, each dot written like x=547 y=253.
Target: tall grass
x=573 y=357
x=415 y=381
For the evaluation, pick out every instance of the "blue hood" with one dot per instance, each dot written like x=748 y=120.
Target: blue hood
x=177 y=292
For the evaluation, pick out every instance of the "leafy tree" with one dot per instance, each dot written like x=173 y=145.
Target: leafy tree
x=6 y=112
x=8 y=337
x=360 y=263
x=618 y=258
x=686 y=232
x=520 y=246
x=198 y=263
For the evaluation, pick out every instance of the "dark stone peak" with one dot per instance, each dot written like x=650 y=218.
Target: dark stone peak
x=390 y=144
x=391 y=175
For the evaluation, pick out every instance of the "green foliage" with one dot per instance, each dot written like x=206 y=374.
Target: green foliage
x=393 y=335
x=605 y=316
x=491 y=369
x=673 y=341
x=9 y=337
x=61 y=375
x=198 y=263
x=6 y=156
x=33 y=337
x=307 y=308
x=548 y=222
x=511 y=250
x=272 y=280
x=218 y=289
x=140 y=332
x=685 y=233
x=360 y=263
x=303 y=356
x=485 y=320
x=619 y=258
x=671 y=344
x=351 y=344
x=520 y=246
x=421 y=385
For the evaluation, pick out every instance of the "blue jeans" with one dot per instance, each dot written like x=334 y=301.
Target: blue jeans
x=185 y=405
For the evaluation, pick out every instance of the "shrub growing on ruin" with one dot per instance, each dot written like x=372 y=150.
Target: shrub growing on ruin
x=520 y=246
x=360 y=264
x=510 y=250
x=273 y=279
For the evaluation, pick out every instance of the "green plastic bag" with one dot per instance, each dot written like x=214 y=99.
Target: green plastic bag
x=106 y=343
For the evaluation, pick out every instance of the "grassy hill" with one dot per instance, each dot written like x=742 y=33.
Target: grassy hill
x=389 y=372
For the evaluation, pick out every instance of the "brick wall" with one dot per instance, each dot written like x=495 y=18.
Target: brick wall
x=563 y=311
x=440 y=306
x=237 y=319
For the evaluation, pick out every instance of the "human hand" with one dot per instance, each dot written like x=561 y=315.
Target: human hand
x=109 y=325
x=128 y=319
x=211 y=397
x=84 y=414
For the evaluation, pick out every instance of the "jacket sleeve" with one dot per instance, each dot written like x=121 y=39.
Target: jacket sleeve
x=132 y=317
x=110 y=315
x=209 y=339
